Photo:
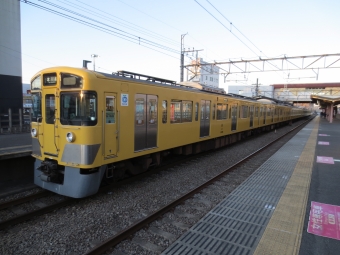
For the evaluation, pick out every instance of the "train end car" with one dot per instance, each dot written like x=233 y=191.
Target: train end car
x=89 y=126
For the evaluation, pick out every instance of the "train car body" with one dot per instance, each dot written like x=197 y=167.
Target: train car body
x=87 y=125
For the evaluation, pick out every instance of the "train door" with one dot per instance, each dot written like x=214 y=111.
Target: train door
x=110 y=126
x=251 y=109
x=233 y=117
x=264 y=114
x=145 y=121
x=50 y=143
x=205 y=118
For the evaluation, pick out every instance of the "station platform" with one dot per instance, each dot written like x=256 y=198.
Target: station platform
x=15 y=145
x=290 y=205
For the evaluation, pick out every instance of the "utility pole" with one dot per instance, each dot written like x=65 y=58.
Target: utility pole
x=182 y=57
x=257 y=87
x=94 y=56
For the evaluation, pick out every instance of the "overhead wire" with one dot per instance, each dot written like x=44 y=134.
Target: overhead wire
x=110 y=30
x=120 y=21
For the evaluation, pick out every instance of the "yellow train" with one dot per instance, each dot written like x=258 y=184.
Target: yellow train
x=89 y=126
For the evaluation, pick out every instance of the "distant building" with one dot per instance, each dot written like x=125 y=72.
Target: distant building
x=204 y=74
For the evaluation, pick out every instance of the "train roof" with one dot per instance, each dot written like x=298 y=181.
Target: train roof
x=148 y=79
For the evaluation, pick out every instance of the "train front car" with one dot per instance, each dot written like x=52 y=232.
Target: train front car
x=65 y=117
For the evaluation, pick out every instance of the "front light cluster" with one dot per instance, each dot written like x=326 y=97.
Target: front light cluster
x=34 y=132
x=70 y=137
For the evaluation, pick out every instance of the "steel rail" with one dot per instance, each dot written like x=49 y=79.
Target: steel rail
x=126 y=233
x=24 y=199
x=37 y=212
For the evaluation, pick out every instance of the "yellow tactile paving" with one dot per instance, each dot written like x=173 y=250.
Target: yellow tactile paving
x=284 y=230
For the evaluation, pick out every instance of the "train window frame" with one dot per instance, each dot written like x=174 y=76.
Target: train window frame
x=82 y=111
x=36 y=107
x=196 y=111
x=50 y=79
x=180 y=111
x=50 y=108
x=36 y=83
x=164 y=111
x=79 y=81
x=244 y=111
x=110 y=103
x=222 y=111
x=214 y=112
x=186 y=111
x=256 y=111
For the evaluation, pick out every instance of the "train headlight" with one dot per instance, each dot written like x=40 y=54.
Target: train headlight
x=70 y=137
x=34 y=132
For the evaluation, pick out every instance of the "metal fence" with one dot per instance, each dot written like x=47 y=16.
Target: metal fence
x=14 y=122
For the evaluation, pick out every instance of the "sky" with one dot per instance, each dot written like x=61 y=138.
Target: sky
x=145 y=36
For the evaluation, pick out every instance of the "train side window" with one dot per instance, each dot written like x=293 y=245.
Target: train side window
x=49 y=108
x=225 y=112
x=244 y=111
x=164 y=111
x=214 y=111
x=186 y=111
x=196 y=112
x=222 y=111
x=256 y=111
x=110 y=110
x=175 y=114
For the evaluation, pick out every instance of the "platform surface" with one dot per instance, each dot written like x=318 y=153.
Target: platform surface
x=269 y=213
x=15 y=145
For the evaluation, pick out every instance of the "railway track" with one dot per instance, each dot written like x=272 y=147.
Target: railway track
x=43 y=208
x=130 y=231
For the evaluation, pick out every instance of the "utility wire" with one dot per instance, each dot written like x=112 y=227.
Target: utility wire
x=111 y=27
x=111 y=30
x=120 y=21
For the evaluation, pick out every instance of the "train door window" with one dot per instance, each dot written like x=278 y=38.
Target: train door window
x=110 y=111
x=186 y=111
x=256 y=112
x=49 y=108
x=196 y=112
x=139 y=111
x=164 y=111
x=152 y=111
x=36 y=107
x=214 y=111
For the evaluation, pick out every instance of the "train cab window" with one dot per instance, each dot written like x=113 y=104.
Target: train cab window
x=164 y=111
x=196 y=112
x=50 y=108
x=71 y=81
x=36 y=83
x=79 y=108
